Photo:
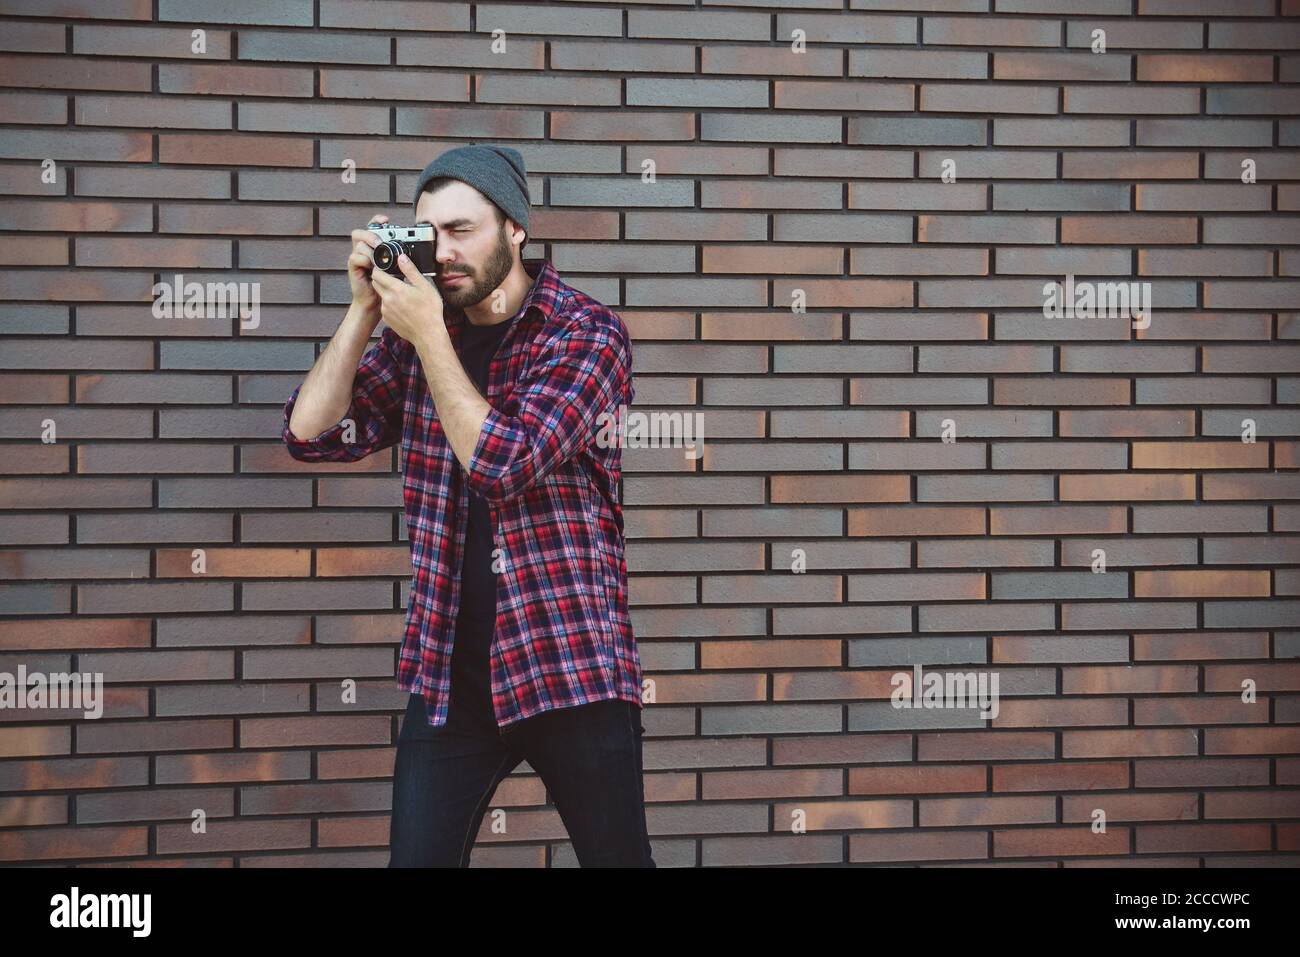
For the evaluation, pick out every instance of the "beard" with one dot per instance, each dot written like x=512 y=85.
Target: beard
x=479 y=283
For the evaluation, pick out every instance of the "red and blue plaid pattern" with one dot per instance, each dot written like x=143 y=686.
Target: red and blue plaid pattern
x=563 y=633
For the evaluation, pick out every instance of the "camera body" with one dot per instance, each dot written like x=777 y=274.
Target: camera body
x=418 y=242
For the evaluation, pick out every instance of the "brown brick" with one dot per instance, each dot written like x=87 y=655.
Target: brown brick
x=1068 y=776
x=1199 y=455
x=1127 y=229
x=386 y=560
x=233 y=563
x=307 y=118
x=45 y=108
x=1199 y=68
x=925 y=520
x=1097 y=488
x=1185 y=838
x=186 y=113
x=131 y=41
x=1002 y=809
x=1005 y=31
x=1130 y=164
x=1068 y=390
x=1126 y=422
x=169 y=252
x=919 y=846
x=1200 y=583
x=63 y=72
x=406 y=85
x=835 y=488
x=251 y=148
x=1057 y=519
x=1058 y=66
x=226 y=79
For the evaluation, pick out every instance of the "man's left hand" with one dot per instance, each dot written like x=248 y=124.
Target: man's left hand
x=412 y=309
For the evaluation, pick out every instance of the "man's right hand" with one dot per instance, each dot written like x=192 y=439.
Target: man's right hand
x=360 y=263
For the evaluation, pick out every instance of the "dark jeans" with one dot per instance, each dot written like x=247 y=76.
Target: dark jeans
x=588 y=756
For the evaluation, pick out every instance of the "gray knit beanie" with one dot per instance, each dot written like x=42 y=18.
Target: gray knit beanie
x=495 y=171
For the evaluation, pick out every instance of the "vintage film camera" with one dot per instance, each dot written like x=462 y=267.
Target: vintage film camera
x=418 y=242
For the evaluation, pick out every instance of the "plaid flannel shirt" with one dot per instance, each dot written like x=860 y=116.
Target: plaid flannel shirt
x=563 y=635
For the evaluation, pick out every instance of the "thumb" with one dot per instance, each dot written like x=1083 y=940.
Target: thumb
x=409 y=271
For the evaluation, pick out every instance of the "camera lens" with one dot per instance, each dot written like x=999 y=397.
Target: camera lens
x=386 y=254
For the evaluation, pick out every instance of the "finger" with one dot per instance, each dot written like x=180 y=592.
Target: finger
x=365 y=235
x=405 y=264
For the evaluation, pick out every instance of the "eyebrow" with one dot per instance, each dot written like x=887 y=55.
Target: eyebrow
x=450 y=224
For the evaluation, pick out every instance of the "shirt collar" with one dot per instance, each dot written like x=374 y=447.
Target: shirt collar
x=545 y=293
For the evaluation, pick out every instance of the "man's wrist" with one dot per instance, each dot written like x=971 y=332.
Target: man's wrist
x=359 y=322
x=432 y=335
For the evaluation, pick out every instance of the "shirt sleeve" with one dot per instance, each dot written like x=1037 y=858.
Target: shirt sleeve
x=560 y=399
x=373 y=420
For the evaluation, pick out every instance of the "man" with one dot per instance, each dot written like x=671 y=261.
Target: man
x=518 y=645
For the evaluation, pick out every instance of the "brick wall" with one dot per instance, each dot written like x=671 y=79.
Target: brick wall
x=907 y=461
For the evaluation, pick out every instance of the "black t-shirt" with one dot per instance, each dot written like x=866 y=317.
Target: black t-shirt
x=471 y=678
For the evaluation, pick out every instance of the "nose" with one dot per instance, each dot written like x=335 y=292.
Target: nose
x=445 y=253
